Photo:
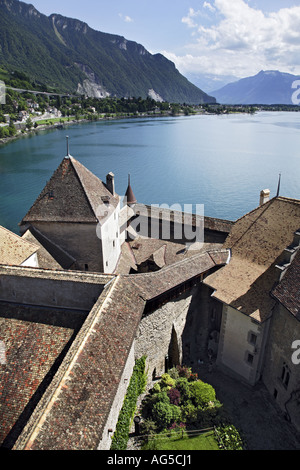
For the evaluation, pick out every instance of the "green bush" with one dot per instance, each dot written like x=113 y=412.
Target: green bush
x=201 y=393
x=167 y=381
x=165 y=414
x=135 y=388
x=183 y=386
x=230 y=438
x=189 y=413
x=174 y=373
x=156 y=388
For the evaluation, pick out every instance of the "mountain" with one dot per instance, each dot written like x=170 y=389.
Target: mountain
x=267 y=87
x=209 y=81
x=67 y=55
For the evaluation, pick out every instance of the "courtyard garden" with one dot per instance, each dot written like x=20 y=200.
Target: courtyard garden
x=181 y=412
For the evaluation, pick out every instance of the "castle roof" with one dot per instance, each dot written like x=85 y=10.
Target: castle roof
x=256 y=242
x=73 y=194
x=287 y=292
x=13 y=249
x=129 y=196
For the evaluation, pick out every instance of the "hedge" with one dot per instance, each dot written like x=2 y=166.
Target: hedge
x=136 y=386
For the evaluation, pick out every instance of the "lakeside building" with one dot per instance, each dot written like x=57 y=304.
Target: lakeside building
x=99 y=294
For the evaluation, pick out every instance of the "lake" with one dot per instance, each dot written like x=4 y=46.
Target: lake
x=220 y=161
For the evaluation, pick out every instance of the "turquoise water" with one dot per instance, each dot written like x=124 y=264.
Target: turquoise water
x=220 y=161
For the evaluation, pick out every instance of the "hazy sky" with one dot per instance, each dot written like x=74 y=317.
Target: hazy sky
x=223 y=37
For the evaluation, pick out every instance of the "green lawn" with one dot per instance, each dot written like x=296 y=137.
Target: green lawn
x=205 y=441
x=53 y=120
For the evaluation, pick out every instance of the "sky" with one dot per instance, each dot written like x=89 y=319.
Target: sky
x=218 y=37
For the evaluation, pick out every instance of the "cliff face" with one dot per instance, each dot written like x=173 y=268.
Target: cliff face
x=68 y=55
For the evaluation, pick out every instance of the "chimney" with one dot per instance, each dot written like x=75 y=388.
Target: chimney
x=110 y=183
x=264 y=196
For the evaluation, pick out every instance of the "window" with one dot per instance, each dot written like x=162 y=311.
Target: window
x=114 y=243
x=86 y=267
x=285 y=375
x=250 y=358
x=252 y=338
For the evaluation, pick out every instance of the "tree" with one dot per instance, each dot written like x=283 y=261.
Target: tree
x=12 y=130
x=29 y=123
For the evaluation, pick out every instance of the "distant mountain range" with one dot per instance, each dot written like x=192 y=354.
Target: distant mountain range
x=208 y=81
x=68 y=55
x=267 y=87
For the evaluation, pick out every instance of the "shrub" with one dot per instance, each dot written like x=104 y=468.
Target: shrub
x=161 y=397
x=156 y=388
x=201 y=393
x=189 y=413
x=150 y=400
x=148 y=429
x=230 y=437
x=167 y=381
x=174 y=396
x=174 y=373
x=193 y=377
x=212 y=415
x=182 y=385
x=165 y=414
x=184 y=371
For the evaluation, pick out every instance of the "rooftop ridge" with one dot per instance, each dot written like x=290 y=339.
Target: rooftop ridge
x=28 y=271
x=282 y=198
x=72 y=160
x=76 y=163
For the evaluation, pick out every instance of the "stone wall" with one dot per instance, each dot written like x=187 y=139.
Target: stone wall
x=49 y=292
x=177 y=332
x=155 y=334
x=166 y=224
x=280 y=375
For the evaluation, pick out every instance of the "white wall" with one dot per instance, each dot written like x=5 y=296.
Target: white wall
x=109 y=233
x=235 y=344
x=32 y=261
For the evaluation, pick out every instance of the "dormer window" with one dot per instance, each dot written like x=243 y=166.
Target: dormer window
x=105 y=199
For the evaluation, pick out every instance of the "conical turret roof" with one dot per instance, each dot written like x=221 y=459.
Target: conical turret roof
x=130 y=197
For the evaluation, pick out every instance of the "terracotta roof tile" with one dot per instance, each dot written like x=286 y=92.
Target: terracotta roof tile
x=287 y=292
x=256 y=241
x=31 y=350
